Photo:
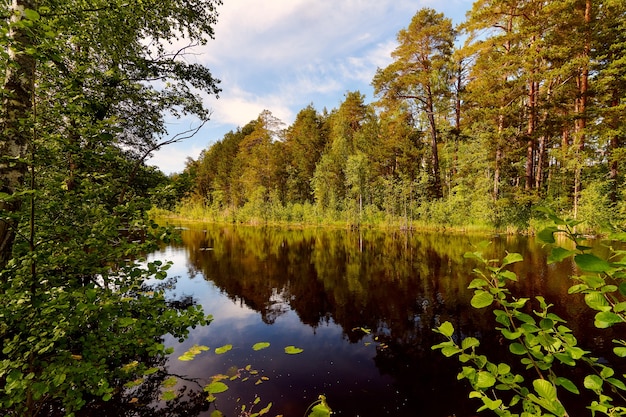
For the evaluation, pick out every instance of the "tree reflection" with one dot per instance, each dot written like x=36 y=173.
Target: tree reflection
x=396 y=285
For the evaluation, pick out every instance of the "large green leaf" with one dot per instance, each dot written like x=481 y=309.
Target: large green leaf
x=511 y=258
x=606 y=319
x=567 y=384
x=545 y=389
x=481 y=299
x=485 y=379
x=597 y=301
x=547 y=235
x=591 y=263
x=593 y=382
x=558 y=254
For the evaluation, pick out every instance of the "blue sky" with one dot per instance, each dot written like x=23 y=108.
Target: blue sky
x=282 y=55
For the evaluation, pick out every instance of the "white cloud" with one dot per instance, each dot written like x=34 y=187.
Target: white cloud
x=281 y=55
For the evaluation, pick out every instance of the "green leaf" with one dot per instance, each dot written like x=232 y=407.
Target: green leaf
x=512 y=258
x=470 y=342
x=168 y=395
x=620 y=351
x=567 y=384
x=593 y=382
x=320 y=410
x=216 y=387
x=192 y=352
x=448 y=351
x=481 y=299
x=446 y=329
x=617 y=383
x=477 y=283
x=558 y=254
x=260 y=346
x=292 y=350
x=596 y=301
x=31 y=14
x=545 y=389
x=606 y=319
x=223 y=349
x=547 y=235
x=591 y=263
x=485 y=380
x=517 y=349
x=510 y=275
x=266 y=409
x=511 y=335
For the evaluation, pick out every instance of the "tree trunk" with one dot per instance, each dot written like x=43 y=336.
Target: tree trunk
x=530 y=133
x=14 y=139
x=581 y=106
x=430 y=110
x=614 y=145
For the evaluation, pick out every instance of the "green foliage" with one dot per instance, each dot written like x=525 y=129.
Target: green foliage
x=82 y=313
x=319 y=408
x=541 y=339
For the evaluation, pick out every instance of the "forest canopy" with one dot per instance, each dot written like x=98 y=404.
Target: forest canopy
x=520 y=105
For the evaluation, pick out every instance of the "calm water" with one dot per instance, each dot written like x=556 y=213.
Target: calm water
x=360 y=304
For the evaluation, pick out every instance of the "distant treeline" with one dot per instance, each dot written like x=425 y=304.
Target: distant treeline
x=530 y=110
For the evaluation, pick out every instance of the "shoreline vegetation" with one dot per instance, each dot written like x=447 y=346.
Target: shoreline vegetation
x=306 y=216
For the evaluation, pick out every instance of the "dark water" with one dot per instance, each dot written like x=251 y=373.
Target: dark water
x=361 y=305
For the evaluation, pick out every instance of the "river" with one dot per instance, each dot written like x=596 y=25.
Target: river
x=360 y=304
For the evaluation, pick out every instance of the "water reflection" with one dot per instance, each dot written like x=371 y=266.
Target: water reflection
x=362 y=304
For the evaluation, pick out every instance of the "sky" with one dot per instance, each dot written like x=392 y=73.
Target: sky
x=282 y=55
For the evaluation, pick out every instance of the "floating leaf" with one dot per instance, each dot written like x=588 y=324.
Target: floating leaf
x=192 y=352
x=320 y=408
x=223 y=349
x=216 y=387
x=265 y=410
x=150 y=371
x=168 y=395
x=260 y=346
x=169 y=382
x=292 y=350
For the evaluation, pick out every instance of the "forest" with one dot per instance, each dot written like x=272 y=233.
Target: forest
x=522 y=105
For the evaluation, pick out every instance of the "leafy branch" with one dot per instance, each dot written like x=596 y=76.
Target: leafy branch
x=542 y=339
